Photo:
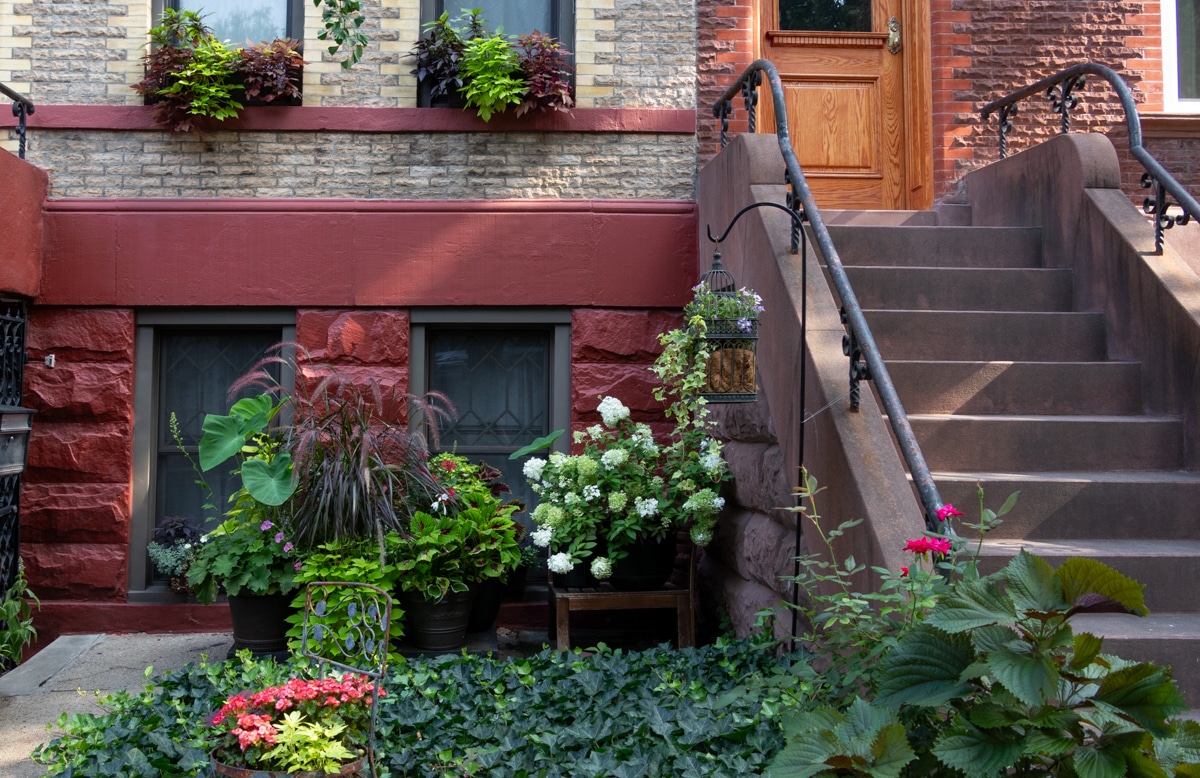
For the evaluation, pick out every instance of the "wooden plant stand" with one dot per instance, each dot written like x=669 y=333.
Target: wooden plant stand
x=676 y=595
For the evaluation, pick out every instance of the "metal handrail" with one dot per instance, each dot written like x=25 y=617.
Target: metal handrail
x=1060 y=90
x=22 y=106
x=858 y=340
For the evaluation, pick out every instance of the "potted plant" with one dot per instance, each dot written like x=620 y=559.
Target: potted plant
x=543 y=64
x=250 y=556
x=728 y=322
x=172 y=549
x=443 y=554
x=625 y=490
x=190 y=73
x=436 y=57
x=301 y=729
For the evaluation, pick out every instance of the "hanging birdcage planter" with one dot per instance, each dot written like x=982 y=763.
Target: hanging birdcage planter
x=730 y=319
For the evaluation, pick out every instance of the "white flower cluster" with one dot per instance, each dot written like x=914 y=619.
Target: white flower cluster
x=612 y=411
x=601 y=567
x=541 y=536
x=533 y=469
x=646 y=506
x=560 y=563
x=614 y=457
x=591 y=492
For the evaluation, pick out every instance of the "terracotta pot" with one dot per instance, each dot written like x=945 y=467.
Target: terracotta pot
x=353 y=769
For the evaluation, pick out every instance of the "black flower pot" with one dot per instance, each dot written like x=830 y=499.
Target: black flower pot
x=486 y=605
x=436 y=625
x=260 y=622
x=646 y=567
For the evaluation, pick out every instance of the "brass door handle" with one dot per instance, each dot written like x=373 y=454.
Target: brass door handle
x=893 y=39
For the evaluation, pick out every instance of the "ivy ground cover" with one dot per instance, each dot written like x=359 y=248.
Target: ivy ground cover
x=710 y=711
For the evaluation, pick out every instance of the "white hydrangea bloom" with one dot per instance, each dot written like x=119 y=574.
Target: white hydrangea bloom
x=601 y=567
x=560 y=563
x=614 y=457
x=541 y=536
x=533 y=469
x=701 y=537
x=646 y=506
x=590 y=492
x=710 y=462
x=612 y=411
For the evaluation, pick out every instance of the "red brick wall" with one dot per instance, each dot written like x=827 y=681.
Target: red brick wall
x=726 y=47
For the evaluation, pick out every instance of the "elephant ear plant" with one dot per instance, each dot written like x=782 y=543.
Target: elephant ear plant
x=251 y=549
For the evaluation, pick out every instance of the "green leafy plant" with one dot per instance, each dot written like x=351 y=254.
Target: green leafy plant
x=438 y=53
x=174 y=544
x=491 y=72
x=252 y=548
x=16 y=619
x=343 y=20
x=742 y=306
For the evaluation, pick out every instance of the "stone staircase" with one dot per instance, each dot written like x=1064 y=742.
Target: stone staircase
x=1008 y=387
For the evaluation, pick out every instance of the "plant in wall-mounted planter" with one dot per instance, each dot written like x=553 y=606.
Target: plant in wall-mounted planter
x=191 y=74
x=728 y=322
x=458 y=63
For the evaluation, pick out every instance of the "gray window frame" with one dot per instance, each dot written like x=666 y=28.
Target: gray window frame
x=562 y=12
x=145 y=418
x=295 y=16
x=558 y=321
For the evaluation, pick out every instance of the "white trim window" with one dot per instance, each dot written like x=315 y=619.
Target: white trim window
x=1181 y=55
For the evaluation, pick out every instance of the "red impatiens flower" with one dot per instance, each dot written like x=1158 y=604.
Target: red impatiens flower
x=947 y=511
x=926 y=545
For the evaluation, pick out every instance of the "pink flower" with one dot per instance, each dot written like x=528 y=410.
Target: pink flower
x=449 y=465
x=278 y=537
x=287 y=547
x=299 y=565
x=266 y=525
x=947 y=511
x=926 y=545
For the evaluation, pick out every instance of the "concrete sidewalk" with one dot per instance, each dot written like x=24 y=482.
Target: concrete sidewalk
x=70 y=674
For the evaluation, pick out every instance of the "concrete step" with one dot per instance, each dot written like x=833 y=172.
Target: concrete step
x=962 y=289
x=1167 y=638
x=859 y=218
x=987 y=336
x=1049 y=443
x=1048 y=388
x=1156 y=505
x=907 y=246
x=1165 y=567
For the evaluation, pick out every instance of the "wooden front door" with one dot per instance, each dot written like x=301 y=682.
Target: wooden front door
x=856 y=80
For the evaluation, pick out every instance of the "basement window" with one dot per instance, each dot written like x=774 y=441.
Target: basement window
x=1181 y=55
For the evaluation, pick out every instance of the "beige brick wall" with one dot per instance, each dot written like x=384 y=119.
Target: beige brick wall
x=443 y=166
x=630 y=53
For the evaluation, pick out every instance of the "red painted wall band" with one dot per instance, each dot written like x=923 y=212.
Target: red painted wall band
x=347 y=119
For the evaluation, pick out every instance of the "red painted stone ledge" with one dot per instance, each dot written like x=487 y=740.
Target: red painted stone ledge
x=352 y=119
x=348 y=205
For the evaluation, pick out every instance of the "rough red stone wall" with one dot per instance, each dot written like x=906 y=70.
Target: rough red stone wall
x=364 y=344
x=75 y=498
x=611 y=353
x=985 y=49
x=726 y=46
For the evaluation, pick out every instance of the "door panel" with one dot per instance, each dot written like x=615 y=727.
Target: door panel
x=850 y=123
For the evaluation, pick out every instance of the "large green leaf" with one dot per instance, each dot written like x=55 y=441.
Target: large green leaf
x=970 y=605
x=924 y=668
x=977 y=753
x=1087 y=648
x=1032 y=677
x=223 y=437
x=537 y=445
x=1090 y=762
x=1032 y=585
x=1080 y=576
x=1144 y=693
x=865 y=740
x=269 y=482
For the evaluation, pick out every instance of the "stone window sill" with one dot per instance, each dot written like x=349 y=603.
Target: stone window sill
x=1170 y=126
x=352 y=119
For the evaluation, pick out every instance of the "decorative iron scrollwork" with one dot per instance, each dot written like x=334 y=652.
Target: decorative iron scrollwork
x=1063 y=100
x=859 y=371
x=1005 y=127
x=19 y=110
x=1158 y=205
x=725 y=110
x=795 y=205
x=750 y=98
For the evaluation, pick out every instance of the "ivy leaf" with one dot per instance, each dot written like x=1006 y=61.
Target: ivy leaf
x=970 y=605
x=1032 y=585
x=924 y=669
x=975 y=752
x=1080 y=577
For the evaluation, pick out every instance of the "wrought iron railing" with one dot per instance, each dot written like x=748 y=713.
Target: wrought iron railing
x=858 y=343
x=1061 y=89
x=22 y=106
x=12 y=370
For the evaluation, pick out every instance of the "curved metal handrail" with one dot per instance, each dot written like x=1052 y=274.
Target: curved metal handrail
x=859 y=337
x=1060 y=90
x=22 y=106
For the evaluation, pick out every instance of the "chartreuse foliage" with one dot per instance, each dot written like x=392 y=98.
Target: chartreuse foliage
x=711 y=711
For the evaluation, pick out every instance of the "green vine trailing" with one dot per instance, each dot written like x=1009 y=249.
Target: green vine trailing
x=343 y=20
